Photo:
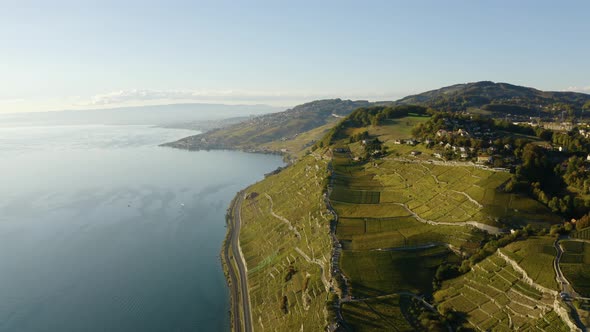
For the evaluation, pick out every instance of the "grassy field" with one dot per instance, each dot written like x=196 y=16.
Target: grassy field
x=494 y=297
x=535 y=255
x=575 y=265
x=285 y=223
x=394 y=129
x=384 y=314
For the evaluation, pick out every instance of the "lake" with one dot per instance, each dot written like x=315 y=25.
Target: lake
x=102 y=230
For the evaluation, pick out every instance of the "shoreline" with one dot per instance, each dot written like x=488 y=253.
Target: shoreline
x=287 y=158
x=235 y=270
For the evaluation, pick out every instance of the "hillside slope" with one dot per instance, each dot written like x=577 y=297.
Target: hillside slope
x=416 y=216
x=287 y=248
x=293 y=130
x=283 y=126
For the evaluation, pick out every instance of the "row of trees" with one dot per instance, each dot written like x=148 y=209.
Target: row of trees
x=359 y=136
x=543 y=178
x=572 y=141
x=374 y=116
x=576 y=174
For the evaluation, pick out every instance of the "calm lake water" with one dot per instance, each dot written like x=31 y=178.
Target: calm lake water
x=102 y=230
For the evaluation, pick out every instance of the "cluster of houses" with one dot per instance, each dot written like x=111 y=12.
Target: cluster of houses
x=483 y=155
x=406 y=141
x=584 y=132
x=465 y=129
x=459 y=132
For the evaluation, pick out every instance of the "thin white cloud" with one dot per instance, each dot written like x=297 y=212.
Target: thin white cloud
x=134 y=96
x=584 y=89
x=12 y=101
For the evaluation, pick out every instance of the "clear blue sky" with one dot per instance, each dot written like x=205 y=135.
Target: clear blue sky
x=71 y=54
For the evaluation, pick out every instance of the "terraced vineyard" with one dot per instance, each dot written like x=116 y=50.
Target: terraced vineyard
x=377 y=273
x=390 y=222
x=383 y=314
x=583 y=234
x=287 y=249
x=535 y=256
x=387 y=249
x=390 y=232
x=575 y=265
x=401 y=217
x=494 y=296
x=356 y=196
x=438 y=193
x=420 y=203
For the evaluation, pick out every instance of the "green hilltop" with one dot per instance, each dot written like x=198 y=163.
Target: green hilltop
x=499 y=99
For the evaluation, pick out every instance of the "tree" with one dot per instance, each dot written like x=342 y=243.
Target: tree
x=586 y=105
x=544 y=134
x=535 y=165
x=446 y=271
x=583 y=222
x=378 y=119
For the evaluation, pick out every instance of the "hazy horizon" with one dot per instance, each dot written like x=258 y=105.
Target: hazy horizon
x=159 y=115
x=69 y=55
x=276 y=107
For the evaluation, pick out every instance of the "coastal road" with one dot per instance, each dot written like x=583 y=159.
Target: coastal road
x=238 y=278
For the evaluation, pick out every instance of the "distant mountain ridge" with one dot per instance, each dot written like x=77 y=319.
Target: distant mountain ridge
x=460 y=97
x=173 y=115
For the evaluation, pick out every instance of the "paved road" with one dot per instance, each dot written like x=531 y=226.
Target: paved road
x=239 y=278
x=565 y=285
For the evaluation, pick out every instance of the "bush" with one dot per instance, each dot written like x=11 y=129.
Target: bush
x=290 y=273
x=446 y=271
